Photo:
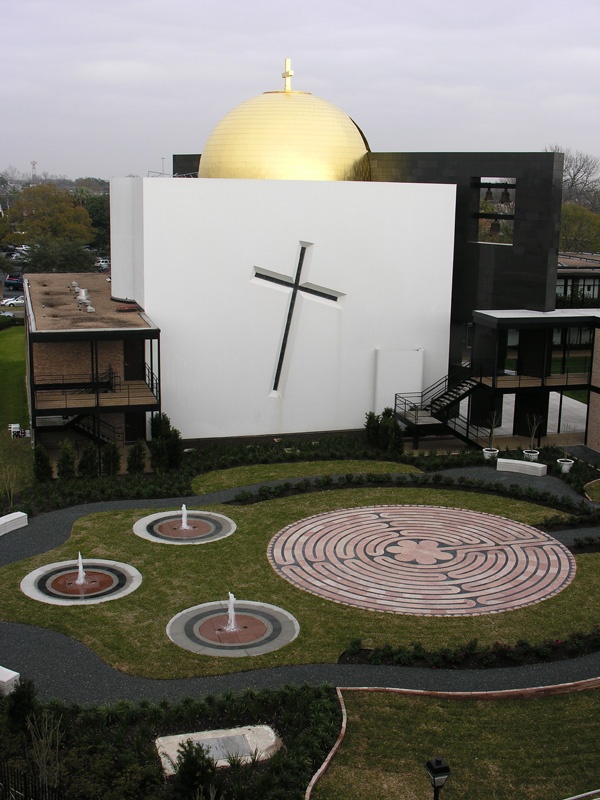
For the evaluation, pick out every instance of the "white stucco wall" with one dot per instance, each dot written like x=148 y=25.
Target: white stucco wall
x=386 y=248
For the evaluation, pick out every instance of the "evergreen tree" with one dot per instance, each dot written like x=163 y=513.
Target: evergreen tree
x=88 y=463
x=136 y=458
x=111 y=459
x=42 y=468
x=65 y=466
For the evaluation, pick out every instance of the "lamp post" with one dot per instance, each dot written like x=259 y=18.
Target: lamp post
x=438 y=772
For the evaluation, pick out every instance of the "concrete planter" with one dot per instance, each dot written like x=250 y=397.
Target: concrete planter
x=531 y=455
x=565 y=464
x=490 y=452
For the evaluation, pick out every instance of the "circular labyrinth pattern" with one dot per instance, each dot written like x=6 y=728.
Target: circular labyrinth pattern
x=260 y=628
x=56 y=584
x=421 y=560
x=202 y=527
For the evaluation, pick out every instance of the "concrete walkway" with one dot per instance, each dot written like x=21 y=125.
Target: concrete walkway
x=64 y=668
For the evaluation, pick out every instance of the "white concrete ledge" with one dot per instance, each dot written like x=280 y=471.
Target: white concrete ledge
x=8 y=680
x=10 y=522
x=524 y=467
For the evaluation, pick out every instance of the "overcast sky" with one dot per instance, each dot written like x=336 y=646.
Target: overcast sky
x=112 y=87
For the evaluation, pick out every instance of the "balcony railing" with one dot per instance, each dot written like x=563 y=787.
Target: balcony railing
x=82 y=391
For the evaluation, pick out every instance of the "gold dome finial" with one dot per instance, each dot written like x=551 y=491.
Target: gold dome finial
x=287 y=74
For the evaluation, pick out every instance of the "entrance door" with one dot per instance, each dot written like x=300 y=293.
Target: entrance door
x=133 y=357
x=135 y=426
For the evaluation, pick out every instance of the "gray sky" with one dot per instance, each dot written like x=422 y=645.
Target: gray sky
x=111 y=87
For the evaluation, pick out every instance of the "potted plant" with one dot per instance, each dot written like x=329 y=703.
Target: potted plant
x=534 y=421
x=490 y=451
x=565 y=463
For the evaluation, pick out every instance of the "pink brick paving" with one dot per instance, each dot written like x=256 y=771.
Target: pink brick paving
x=421 y=560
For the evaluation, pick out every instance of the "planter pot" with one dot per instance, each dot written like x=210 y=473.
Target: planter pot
x=490 y=452
x=565 y=464
x=531 y=455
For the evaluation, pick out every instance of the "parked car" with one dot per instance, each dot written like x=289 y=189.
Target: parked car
x=13 y=301
x=6 y=314
x=13 y=281
x=102 y=264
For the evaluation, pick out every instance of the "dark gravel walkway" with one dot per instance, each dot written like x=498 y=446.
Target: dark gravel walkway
x=64 y=668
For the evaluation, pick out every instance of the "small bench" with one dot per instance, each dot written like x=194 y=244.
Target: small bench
x=8 y=680
x=10 y=522
x=525 y=467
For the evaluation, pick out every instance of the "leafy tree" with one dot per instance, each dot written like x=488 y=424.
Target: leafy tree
x=65 y=465
x=579 y=229
x=195 y=771
x=45 y=211
x=98 y=207
x=89 y=462
x=58 y=255
x=136 y=458
x=42 y=468
x=111 y=459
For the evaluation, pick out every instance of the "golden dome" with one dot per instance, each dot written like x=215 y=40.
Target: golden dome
x=286 y=135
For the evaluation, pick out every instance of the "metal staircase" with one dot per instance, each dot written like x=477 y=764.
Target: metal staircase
x=426 y=411
x=96 y=429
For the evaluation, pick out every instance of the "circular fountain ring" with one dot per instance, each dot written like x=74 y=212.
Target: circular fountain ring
x=166 y=527
x=260 y=628
x=56 y=584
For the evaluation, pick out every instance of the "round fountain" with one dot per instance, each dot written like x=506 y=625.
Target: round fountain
x=233 y=628
x=184 y=527
x=68 y=583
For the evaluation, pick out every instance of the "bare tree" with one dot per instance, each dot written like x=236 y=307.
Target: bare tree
x=581 y=177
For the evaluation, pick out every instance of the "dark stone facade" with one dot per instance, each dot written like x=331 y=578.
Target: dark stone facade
x=491 y=276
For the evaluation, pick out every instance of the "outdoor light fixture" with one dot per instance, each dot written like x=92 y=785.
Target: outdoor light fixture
x=438 y=772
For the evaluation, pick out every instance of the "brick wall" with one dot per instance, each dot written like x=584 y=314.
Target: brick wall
x=74 y=359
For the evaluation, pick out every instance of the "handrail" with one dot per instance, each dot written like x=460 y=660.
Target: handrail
x=595 y=795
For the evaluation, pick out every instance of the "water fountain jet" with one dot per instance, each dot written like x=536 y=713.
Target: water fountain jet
x=80 y=571
x=184 y=519
x=231 y=624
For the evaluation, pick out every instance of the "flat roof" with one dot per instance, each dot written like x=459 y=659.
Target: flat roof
x=525 y=317
x=51 y=304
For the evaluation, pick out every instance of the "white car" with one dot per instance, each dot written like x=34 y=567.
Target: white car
x=13 y=301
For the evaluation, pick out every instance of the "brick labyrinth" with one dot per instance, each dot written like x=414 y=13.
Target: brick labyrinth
x=421 y=560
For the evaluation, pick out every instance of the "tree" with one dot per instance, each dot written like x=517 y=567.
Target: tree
x=166 y=447
x=111 y=459
x=45 y=212
x=89 y=462
x=50 y=254
x=579 y=229
x=136 y=458
x=42 y=468
x=581 y=177
x=65 y=466
x=98 y=207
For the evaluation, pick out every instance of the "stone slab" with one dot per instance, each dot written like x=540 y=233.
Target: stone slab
x=11 y=522
x=221 y=743
x=8 y=680
x=524 y=467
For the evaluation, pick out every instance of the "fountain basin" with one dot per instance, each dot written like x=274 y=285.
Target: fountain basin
x=57 y=584
x=260 y=628
x=202 y=527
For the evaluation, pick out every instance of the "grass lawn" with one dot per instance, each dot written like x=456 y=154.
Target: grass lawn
x=261 y=473
x=15 y=454
x=527 y=749
x=130 y=633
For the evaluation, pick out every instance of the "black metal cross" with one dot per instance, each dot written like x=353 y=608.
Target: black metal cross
x=295 y=286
